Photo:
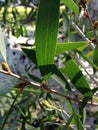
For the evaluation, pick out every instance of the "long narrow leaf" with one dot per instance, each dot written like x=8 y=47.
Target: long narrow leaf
x=66 y=24
x=2 y=46
x=88 y=60
x=46 y=32
x=61 y=47
x=55 y=73
x=95 y=57
x=78 y=122
x=67 y=126
x=81 y=108
x=71 y=5
x=77 y=78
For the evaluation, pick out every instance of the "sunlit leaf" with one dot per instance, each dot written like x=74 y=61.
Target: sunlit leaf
x=95 y=56
x=77 y=78
x=48 y=104
x=82 y=48
x=71 y=5
x=46 y=33
x=89 y=54
x=2 y=46
x=61 y=47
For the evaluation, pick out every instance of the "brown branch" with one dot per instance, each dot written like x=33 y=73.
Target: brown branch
x=44 y=87
x=36 y=85
x=92 y=25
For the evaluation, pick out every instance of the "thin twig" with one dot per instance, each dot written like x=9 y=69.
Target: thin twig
x=20 y=78
x=48 y=90
x=92 y=25
x=82 y=34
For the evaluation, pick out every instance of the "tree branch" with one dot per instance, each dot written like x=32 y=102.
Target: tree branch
x=44 y=87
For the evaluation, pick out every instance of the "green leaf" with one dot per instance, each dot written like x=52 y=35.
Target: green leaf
x=81 y=108
x=66 y=24
x=95 y=57
x=77 y=78
x=82 y=48
x=59 y=80
x=94 y=114
x=49 y=106
x=58 y=77
x=90 y=54
x=46 y=32
x=67 y=126
x=55 y=73
x=35 y=78
x=31 y=54
x=71 y=5
x=61 y=47
x=5 y=11
x=94 y=90
x=89 y=34
x=2 y=46
x=78 y=122
x=88 y=60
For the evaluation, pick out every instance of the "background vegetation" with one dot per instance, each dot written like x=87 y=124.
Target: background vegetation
x=64 y=31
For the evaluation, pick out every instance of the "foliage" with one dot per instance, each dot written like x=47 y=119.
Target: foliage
x=38 y=105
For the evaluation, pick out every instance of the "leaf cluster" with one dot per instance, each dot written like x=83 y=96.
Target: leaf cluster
x=47 y=106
